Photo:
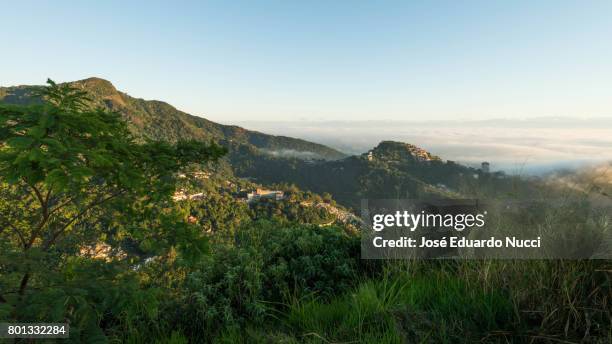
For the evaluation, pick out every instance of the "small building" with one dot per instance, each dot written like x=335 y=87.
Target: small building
x=182 y=196
x=179 y=196
x=485 y=167
x=201 y=175
x=263 y=193
x=197 y=196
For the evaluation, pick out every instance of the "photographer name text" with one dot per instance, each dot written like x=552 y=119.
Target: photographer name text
x=456 y=242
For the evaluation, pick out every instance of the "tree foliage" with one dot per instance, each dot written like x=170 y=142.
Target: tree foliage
x=72 y=180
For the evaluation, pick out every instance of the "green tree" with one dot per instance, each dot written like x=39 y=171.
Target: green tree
x=73 y=177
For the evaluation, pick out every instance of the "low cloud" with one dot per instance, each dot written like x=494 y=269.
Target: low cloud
x=292 y=153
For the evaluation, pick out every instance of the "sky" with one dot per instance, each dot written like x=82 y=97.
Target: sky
x=325 y=60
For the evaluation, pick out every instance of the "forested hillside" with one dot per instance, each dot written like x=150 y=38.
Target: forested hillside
x=158 y=120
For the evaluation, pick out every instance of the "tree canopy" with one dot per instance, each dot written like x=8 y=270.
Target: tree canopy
x=73 y=177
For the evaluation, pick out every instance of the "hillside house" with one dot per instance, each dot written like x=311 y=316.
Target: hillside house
x=263 y=193
x=182 y=196
x=201 y=175
x=485 y=167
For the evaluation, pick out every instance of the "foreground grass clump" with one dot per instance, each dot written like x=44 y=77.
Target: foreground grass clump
x=553 y=299
x=401 y=309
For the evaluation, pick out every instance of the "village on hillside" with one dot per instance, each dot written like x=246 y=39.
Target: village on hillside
x=197 y=186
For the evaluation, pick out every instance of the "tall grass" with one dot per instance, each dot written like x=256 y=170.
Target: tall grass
x=401 y=308
x=460 y=302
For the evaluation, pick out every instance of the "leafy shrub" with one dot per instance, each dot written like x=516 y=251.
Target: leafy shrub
x=306 y=259
x=260 y=267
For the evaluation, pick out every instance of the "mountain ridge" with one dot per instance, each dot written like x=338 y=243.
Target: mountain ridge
x=157 y=119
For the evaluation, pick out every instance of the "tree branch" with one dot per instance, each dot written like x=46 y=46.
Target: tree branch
x=60 y=206
x=44 y=213
x=38 y=195
x=55 y=235
x=19 y=234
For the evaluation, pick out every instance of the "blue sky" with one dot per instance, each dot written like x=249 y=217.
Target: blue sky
x=325 y=60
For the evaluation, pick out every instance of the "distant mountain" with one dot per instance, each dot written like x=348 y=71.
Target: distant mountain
x=399 y=151
x=159 y=120
x=389 y=170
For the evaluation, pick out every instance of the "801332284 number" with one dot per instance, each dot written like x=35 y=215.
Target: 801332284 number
x=34 y=330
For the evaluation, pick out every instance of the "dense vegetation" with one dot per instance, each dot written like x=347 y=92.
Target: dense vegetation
x=89 y=234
